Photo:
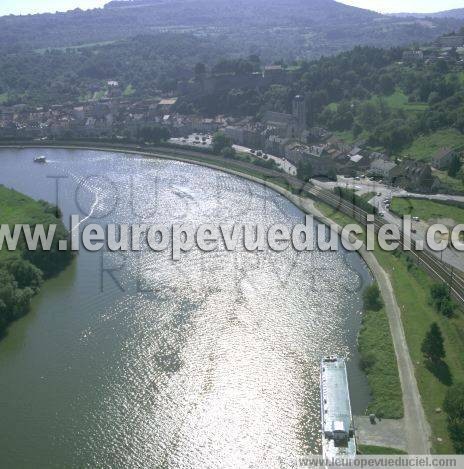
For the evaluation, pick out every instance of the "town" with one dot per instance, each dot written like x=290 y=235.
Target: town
x=289 y=141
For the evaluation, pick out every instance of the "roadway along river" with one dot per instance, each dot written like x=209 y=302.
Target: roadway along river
x=210 y=362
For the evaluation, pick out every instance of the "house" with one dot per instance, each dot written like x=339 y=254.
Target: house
x=382 y=168
x=415 y=176
x=321 y=165
x=165 y=105
x=443 y=158
x=451 y=41
x=413 y=56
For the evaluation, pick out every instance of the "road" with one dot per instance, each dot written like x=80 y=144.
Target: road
x=382 y=192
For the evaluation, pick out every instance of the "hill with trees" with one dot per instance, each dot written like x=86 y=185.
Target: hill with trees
x=289 y=29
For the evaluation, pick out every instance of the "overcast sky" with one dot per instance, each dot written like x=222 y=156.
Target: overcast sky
x=38 y=6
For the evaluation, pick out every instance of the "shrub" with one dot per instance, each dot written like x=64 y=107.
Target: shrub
x=454 y=407
x=441 y=299
x=372 y=299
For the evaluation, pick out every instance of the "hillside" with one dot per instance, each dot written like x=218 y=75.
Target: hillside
x=281 y=29
x=457 y=13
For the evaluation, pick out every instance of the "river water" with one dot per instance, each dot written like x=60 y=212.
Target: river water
x=208 y=362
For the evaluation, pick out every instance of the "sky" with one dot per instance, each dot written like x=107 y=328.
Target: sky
x=17 y=7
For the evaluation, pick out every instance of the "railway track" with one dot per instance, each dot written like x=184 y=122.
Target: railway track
x=435 y=267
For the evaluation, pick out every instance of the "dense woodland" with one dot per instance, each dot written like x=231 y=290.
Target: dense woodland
x=292 y=29
x=352 y=92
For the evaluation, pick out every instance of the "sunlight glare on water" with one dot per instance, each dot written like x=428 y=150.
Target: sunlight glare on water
x=211 y=361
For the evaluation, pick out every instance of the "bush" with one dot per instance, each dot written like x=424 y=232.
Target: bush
x=350 y=196
x=228 y=152
x=441 y=299
x=433 y=347
x=367 y=361
x=220 y=141
x=454 y=407
x=372 y=299
x=25 y=273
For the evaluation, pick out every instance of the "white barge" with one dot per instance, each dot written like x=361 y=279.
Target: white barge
x=338 y=438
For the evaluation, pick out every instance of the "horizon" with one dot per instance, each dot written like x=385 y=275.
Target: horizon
x=26 y=7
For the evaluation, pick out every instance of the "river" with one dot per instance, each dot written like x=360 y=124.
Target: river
x=208 y=362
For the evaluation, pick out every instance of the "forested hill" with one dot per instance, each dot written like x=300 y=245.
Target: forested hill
x=457 y=13
x=286 y=29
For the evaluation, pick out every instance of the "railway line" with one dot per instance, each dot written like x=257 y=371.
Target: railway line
x=438 y=269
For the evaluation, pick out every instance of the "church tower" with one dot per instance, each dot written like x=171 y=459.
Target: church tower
x=299 y=113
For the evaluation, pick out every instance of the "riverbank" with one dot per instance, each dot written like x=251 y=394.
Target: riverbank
x=22 y=272
x=417 y=431
x=411 y=287
x=378 y=361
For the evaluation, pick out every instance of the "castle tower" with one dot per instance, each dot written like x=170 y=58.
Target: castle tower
x=299 y=113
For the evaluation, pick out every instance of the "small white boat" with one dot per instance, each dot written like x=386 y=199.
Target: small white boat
x=40 y=159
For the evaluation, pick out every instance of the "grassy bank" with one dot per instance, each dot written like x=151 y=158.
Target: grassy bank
x=22 y=271
x=369 y=449
x=427 y=210
x=379 y=363
x=453 y=185
x=412 y=291
x=423 y=148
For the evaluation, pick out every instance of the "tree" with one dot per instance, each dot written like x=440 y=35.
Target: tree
x=304 y=170
x=441 y=299
x=357 y=130
x=433 y=345
x=200 y=70
x=369 y=115
x=153 y=134
x=372 y=299
x=455 y=166
x=454 y=407
x=228 y=152
x=220 y=141
x=25 y=273
x=387 y=85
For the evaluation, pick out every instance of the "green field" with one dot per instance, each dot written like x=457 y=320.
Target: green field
x=17 y=208
x=454 y=184
x=412 y=290
x=99 y=95
x=398 y=100
x=423 y=148
x=81 y=46
x=369 y=449
x=3 y=98
x=129 y=91
x=376 y=346
x=427 y=210
x=367 y=196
